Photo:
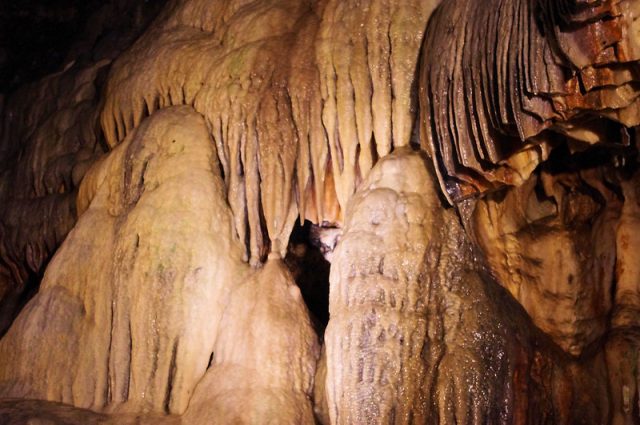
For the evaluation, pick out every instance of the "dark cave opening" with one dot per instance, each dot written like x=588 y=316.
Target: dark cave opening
x=310 y=270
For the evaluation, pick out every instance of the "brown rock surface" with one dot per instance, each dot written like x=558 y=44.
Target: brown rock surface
x=46 y=145
x=627 y=296
x=521 y=76
x=552 y=243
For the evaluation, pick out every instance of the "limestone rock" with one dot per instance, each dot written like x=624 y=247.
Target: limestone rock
x=555 y=255
x=264 y=359
x=128 y=311
x=225 y=122
x=420 y=334
x=520 y=77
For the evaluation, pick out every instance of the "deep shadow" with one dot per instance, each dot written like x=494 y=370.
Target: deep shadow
x=311 y=272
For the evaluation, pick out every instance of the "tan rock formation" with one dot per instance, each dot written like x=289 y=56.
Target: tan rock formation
x=264 y=357
x=128 y=311
x=225 y=122
x=419 y=333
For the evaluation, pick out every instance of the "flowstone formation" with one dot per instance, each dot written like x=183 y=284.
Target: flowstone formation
x=171 y=197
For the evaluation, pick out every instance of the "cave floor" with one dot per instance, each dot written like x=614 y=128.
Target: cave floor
x=39 y=412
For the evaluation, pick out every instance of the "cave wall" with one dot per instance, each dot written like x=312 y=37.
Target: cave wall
x=478 y=205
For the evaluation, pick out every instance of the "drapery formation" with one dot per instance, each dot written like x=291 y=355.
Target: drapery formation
x=300 y=97
x=522 y=77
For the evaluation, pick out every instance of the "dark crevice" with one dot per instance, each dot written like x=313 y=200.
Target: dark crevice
x=210 y=360
x=125 y=395
x=311 y=272
x=108 y=390
x=38 y=37
x=171 y=377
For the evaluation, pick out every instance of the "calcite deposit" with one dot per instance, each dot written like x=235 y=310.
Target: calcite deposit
x=94 y=339
x=522 y=75
x=552 y=243
x=326 y=211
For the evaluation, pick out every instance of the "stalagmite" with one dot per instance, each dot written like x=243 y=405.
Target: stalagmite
x=137 y=327
x=380 y=290
x=265 y=323
x=419 y=333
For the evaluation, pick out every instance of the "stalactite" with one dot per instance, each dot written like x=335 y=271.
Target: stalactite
x=310 y=107
x=367 y=63
x=532 y=70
